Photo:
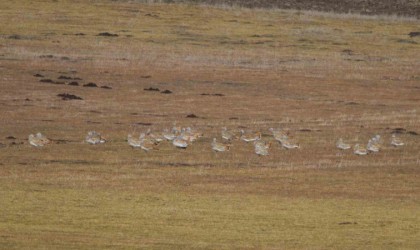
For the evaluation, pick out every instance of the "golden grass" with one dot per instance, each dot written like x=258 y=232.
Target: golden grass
x=319 y=76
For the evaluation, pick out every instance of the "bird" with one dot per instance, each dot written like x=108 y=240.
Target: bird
x=261 y=147
x=179 y=142
x=376 y=138
x=169 y=135
x=146 y=144
x=250 y=136
x=94 y=137
x=342 y=145
x=279 y=134
x=157 y=137
x=396 y=141
x=360 y=150
x=219 y=147
x=194 y=134
x=38 y=140
x=289 y=145
x=133 y=142
x=228 y=135
x=374 y=144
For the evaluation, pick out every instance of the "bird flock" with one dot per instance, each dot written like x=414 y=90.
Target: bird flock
x=184 y=137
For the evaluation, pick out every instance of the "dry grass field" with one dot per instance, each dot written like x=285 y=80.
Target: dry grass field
x=319 y=76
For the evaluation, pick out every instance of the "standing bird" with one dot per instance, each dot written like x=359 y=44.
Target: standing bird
x=228 y=135
x=279 y=134
x=374 y=144
x=396 y=141
x=219 y=147
x=261 y=147
x=133 y=142
x=38 y=140
x=342 y=145
x=169 y=135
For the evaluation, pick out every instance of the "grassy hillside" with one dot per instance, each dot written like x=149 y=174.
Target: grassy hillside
x=319 y=76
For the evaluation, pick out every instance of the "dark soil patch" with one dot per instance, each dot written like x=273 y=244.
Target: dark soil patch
x=191 y=116
x=15 y=143
x=16 y=37
x=144 y=123
x=305 y=130
x=105 y=87
x=412 y=133
x=46 y=56
x=107 y=34
x=398 y=131
x=367 y=7
x=166 y=92
x=233 y=118
x=406 y=41
x=206 y=94
x=352 y=103
x=146 y=76
x=414 y=34
x=80 y=34
x=152 y=15
x=65 y=77
x=348 y=52
x=11 y=137
x=152 y=89
x=90 y=85
x=58 y=82
x=66 y=97
x=38 y=75
x=347 y=223
x=93 y=122
x=46 y=81
x=73 y=83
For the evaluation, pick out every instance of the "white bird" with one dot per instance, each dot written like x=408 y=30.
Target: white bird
x=38 y=140
x=179 y=142
x=374 y=144
x=157 y=137
x=396 y=141
x=360 y=150
x=289 y=145
x=133 y=142
x=342 y=145
x=279 y=134
x=169 y=135
x=219 y=147
x=228 y=135
x=250 y=136
x=94 y=137
x=146 y=144
x=261 y=147
x=376 y=138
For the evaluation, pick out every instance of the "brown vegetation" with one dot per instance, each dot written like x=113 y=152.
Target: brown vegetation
x=318 y=76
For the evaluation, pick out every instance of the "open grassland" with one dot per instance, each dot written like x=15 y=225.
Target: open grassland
x=320 y=76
